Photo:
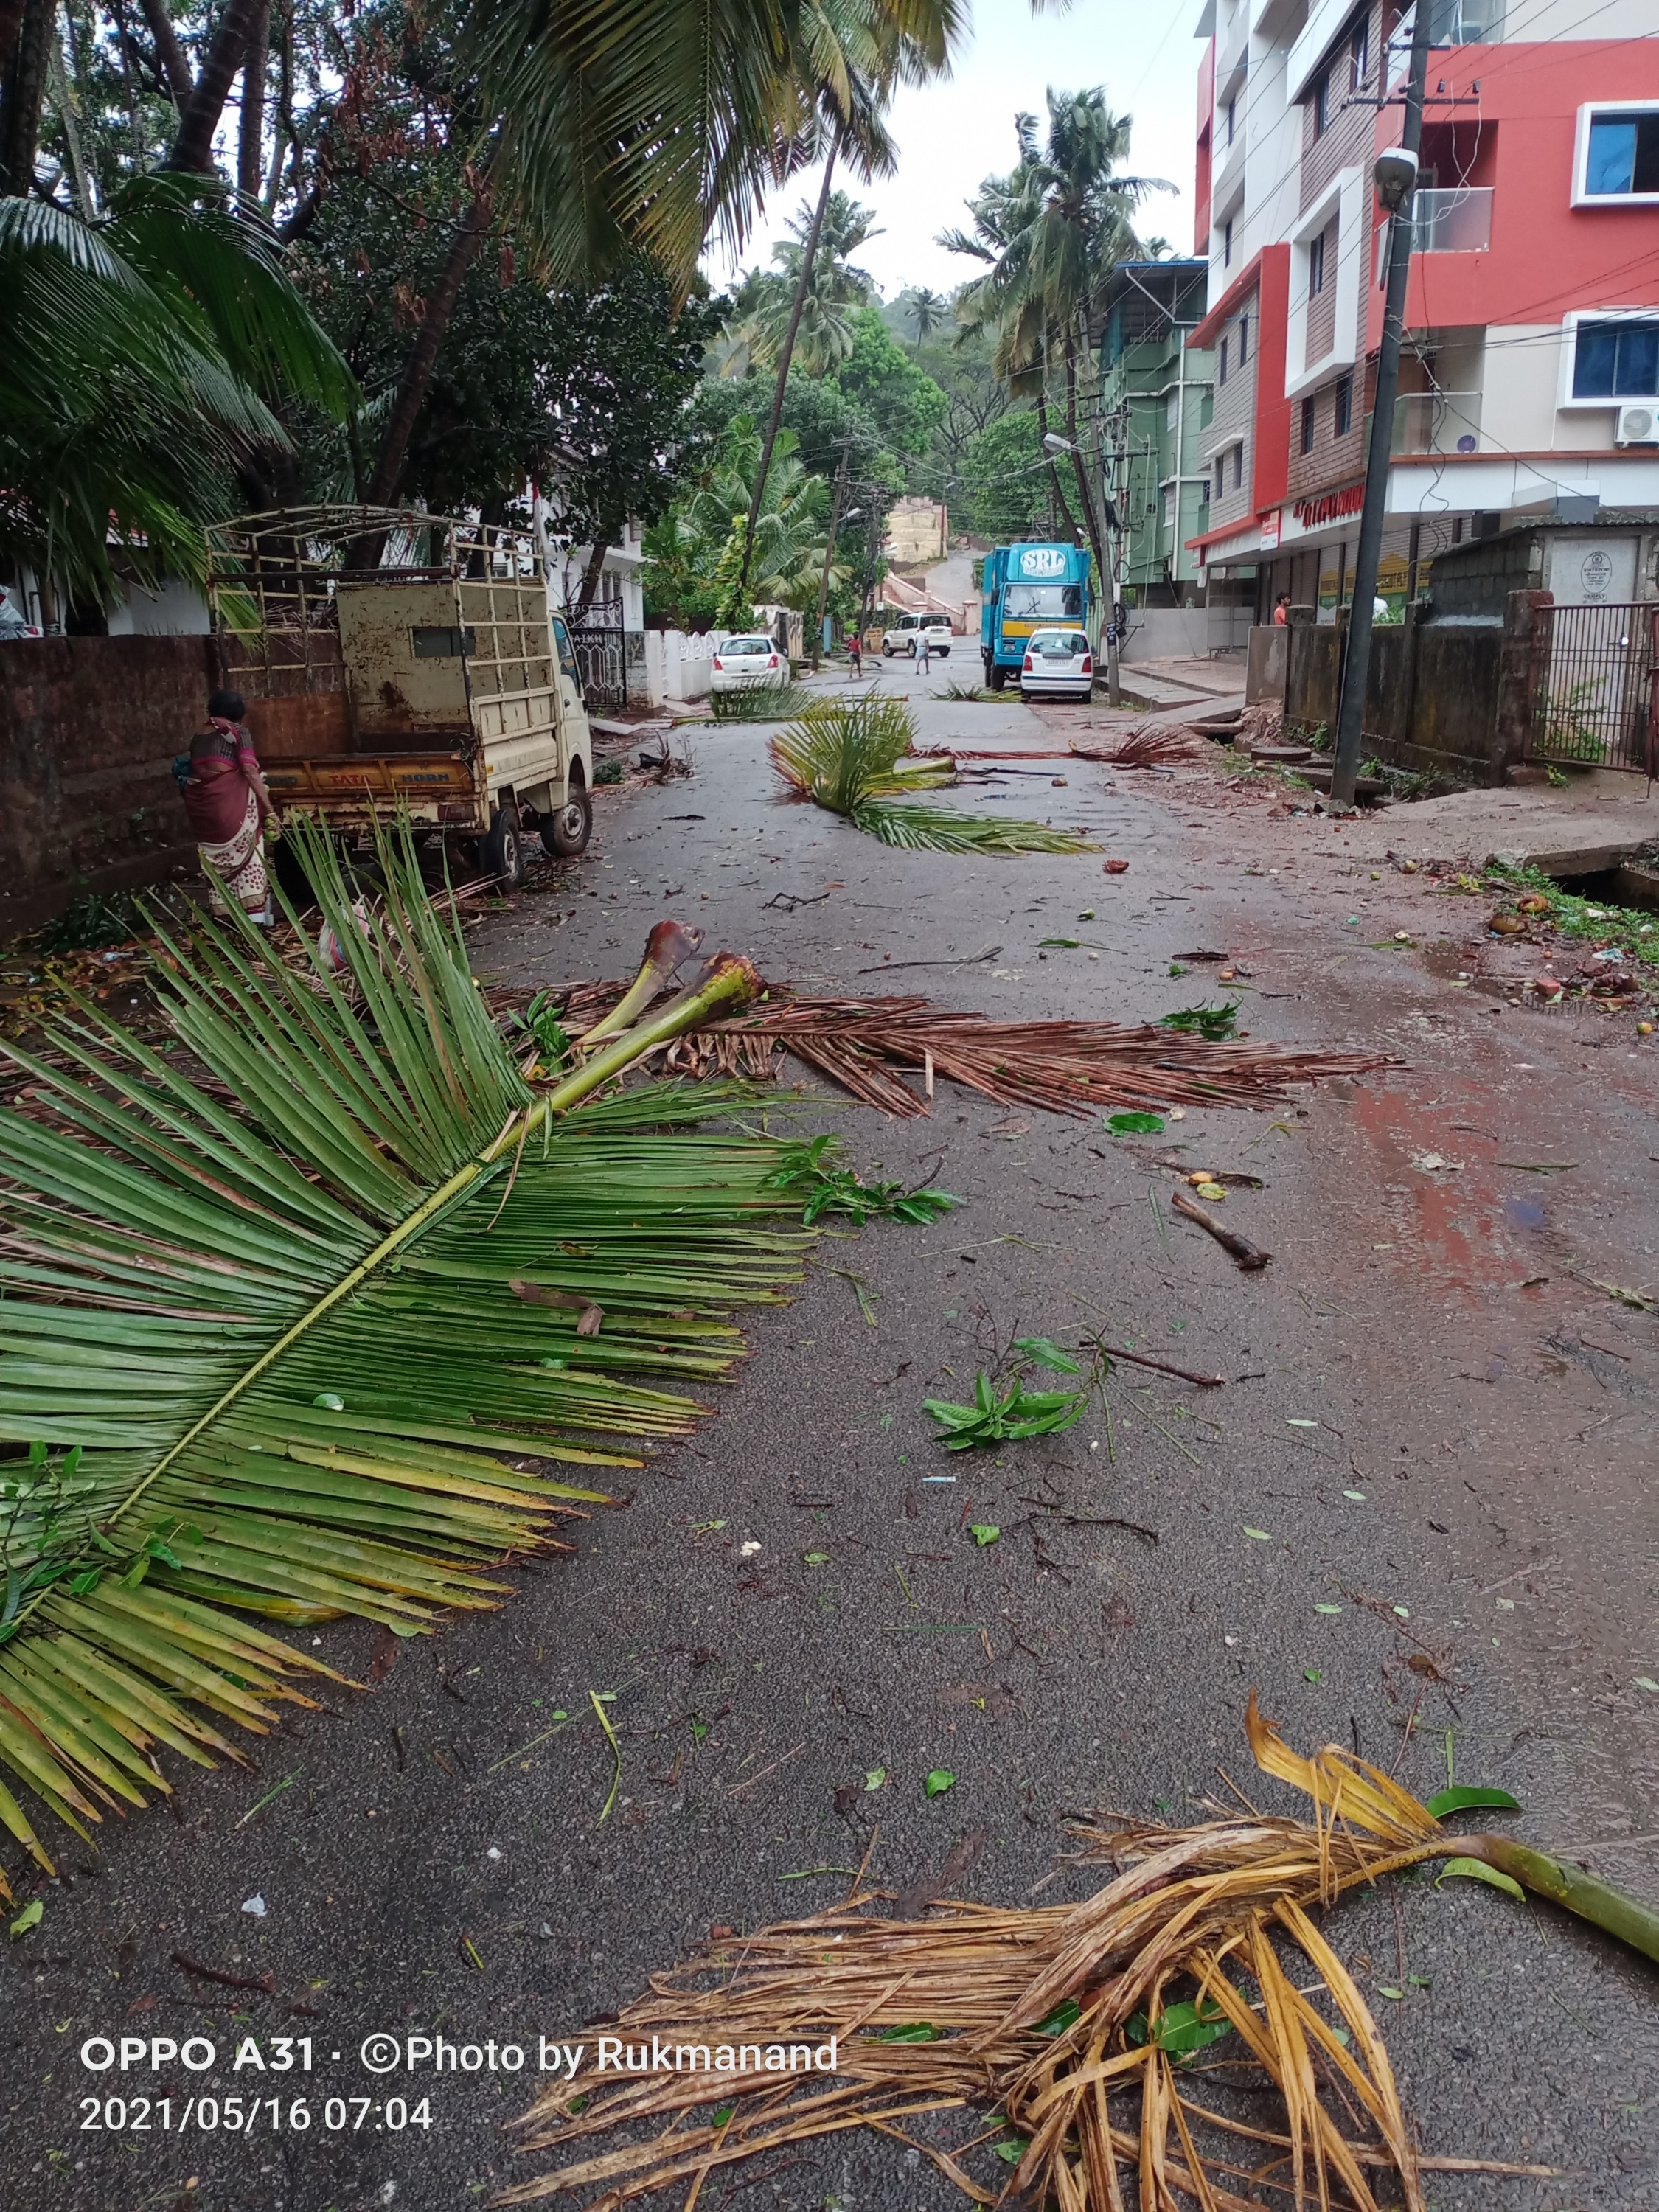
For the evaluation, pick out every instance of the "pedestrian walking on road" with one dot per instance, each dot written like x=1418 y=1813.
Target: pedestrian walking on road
x=856 y=657
x=924 y=651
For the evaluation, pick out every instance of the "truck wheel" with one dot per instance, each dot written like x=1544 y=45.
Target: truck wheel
x=501 y=850
x=998 y=678
x=566 y=830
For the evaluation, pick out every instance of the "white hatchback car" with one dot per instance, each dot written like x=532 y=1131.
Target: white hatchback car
x=905 y=635
x=1059 y=661
x=748 y=664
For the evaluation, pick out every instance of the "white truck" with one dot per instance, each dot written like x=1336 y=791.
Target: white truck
x=435 y=676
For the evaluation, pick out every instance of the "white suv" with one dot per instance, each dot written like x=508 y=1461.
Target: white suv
x=907 y=630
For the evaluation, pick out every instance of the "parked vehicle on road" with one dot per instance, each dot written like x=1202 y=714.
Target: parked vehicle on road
x=393 y=658
x=905 y=635
x=1028 y=588
x=749 y=664
x=1058 y=664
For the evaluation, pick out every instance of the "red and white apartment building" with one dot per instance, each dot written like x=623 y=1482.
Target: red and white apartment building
x=1529 y=382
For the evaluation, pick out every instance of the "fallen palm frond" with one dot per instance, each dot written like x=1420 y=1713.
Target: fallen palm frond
x=1062 y=2027
x=1148 y=746
x=756 y=702
x=867 y=1046
x=287 y=1306
x=854 y=757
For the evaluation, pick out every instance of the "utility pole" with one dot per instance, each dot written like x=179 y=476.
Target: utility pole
x=829 y=545
x=1114 y=553
x=1395 y=174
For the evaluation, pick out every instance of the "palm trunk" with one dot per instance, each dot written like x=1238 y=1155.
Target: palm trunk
x=1053 y=473
x=423 y=354
x=809 y=253
x=591 y=576
x=1101 y=538
x=192 y=149
x=250 y=132
x=25 y=93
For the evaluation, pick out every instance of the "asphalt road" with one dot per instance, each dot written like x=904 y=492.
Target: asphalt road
x=1437 y=1422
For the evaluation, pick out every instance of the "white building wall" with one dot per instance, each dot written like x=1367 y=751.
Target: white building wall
x=1256 y=185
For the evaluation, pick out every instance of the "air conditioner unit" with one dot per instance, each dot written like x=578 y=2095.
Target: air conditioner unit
x=1638 y=426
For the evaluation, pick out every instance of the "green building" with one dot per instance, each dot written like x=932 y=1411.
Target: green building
x=1155 y=405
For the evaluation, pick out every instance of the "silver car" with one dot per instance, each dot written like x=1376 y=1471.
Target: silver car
x=1059 y=662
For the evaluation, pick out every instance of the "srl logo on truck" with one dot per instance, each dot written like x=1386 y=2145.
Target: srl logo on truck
x=1042 y=561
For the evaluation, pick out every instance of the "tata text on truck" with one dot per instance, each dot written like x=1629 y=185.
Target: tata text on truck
x=408 y=661
x=1026 y=588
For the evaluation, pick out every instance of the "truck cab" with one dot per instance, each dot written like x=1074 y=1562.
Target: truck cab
x=1029 y=587
x=438 y=677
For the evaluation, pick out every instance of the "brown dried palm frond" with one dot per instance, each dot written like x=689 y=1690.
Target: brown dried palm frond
x=1148 y=746
x=868 y=1046
x=1063 y=2027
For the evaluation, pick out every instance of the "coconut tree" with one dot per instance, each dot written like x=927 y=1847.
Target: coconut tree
x=928 y=312
x=1050 y=233
x=789 y=539
x=834 y=289
x=854 y=56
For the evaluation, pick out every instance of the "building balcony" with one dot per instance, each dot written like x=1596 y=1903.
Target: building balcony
x=1455 y=220
x=1436 y=422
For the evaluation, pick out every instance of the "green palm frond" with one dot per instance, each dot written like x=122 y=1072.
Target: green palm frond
x=853 y=758
x=296 y=1314
x=142 y=355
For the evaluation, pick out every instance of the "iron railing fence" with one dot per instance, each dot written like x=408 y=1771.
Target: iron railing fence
x=1595 y=675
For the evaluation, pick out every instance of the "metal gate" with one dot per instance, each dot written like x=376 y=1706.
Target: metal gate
x=1595 y=688
x=603 y=653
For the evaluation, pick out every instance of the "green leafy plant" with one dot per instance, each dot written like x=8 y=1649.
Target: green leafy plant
x=806 y=1171
x=611 y=771
x=1003 y=1414
x=298 y=1324
x=854 y=758
x=1179 y=2029
x=91 y=922
x=1216 y=1024
x=540 y=1023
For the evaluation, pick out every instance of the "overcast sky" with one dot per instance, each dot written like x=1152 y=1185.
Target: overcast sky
x=957 y=131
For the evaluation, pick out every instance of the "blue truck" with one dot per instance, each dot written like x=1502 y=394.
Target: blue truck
x=1029 y=587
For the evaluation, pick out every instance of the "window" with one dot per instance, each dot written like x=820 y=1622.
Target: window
x=1243 y=339
x=1221 y=366
x=1321 y=103
x=1623 y=158
x=1238 y=467
x=1043 y=603
x=1220 y=474
x=1316 y=265
x=1342 y=410
x=1231 y=119
x=1227 y=243
x=1359 y=55
x=1309 y=417
x=1616 y=361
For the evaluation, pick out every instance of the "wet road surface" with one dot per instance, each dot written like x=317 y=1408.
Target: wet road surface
x=1434 y=1418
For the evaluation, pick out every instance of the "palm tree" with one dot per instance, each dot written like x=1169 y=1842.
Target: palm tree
x=929 y=312
x=141 y=354
x=834 y=293
x=853 y=54
x=1050 y=233
x=789 y=536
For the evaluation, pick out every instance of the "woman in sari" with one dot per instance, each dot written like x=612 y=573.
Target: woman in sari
x=228 y=806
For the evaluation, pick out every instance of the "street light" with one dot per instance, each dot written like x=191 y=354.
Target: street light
x=1058 y=444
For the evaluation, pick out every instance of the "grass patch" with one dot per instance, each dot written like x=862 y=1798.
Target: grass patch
x=766 y=703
